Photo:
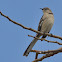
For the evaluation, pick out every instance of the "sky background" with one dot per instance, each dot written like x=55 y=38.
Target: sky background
x=14 y=39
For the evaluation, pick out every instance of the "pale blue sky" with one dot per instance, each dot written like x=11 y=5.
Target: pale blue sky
x=14 y=39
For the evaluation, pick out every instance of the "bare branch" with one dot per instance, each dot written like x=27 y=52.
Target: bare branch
x=48 y=53
x=45 y=56
x=36 y=56
x=44 y=52
x=45 y=40
x=30 y=28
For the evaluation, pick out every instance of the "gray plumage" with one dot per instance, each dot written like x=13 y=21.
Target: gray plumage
x=45 y=25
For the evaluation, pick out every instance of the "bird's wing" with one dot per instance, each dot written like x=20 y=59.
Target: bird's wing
x=40 y=25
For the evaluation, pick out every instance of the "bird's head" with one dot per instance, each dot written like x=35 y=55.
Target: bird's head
x=46 y=10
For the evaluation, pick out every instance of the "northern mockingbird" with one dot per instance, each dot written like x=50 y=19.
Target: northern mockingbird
x=45 y=25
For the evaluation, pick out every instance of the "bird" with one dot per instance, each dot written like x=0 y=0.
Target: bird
x=45 y=25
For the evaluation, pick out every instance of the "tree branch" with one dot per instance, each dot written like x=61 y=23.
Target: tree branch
x=36 y=56
x=30 y=28
x=48 y=53
x=45 y=56
x=44 y=52
x=46 y=40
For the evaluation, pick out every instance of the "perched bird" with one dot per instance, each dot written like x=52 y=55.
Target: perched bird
x=45 y=25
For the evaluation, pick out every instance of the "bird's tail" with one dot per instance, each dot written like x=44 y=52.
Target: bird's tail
x=30 y=46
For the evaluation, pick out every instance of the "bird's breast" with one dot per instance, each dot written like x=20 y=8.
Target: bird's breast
x=47 y=24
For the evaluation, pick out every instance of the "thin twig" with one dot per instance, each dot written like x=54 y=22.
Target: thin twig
x=36 y=56
x=44 y=52
x=45 y=40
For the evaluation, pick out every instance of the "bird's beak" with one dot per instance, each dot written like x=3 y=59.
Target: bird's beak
x=41 y=8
